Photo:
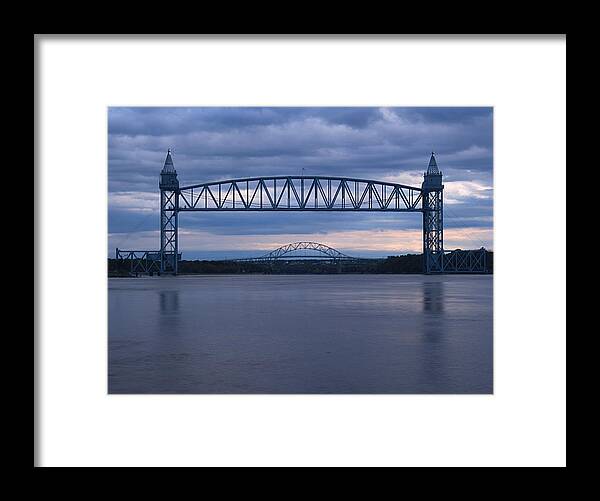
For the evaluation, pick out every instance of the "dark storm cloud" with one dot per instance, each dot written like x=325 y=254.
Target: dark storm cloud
x=168 y=121
x=219 y=143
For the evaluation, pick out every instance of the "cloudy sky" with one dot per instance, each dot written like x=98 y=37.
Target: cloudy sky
x=210 y=144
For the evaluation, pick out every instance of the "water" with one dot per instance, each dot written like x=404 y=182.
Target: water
x=300 y=334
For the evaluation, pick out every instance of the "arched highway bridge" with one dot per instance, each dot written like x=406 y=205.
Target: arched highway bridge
x=303 y=250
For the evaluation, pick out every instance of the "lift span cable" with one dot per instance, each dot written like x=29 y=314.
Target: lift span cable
x=468 y=234
x=135 y=228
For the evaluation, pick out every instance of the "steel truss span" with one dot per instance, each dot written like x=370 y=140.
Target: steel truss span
x=139 y=261
x=305 y=193
x=465 y=261
x=288 y=251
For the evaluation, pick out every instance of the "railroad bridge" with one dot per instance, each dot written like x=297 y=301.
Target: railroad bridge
x=309 y=194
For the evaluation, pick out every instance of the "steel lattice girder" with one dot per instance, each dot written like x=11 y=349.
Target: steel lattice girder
x=300 y=193
x=140 y=261
x=465 y=261
x=169 y=231
x=433 y=231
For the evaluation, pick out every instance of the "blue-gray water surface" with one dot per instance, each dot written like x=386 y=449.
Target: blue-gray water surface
x=300 y=334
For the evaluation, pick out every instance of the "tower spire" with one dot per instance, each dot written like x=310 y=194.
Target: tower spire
x=432 y=168
x=168 y=167
x=168 y=174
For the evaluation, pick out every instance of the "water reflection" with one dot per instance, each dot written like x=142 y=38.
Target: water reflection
x=433 y=357
x=169 y=301
x=433 y=297
x=169 y=316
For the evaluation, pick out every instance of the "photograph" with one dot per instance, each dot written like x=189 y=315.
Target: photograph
x=300 y=250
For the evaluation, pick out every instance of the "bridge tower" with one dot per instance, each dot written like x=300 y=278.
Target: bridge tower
x=169 y=209
x=433 y=220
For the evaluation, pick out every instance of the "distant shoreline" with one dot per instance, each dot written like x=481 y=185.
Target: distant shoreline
x=408 y=264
